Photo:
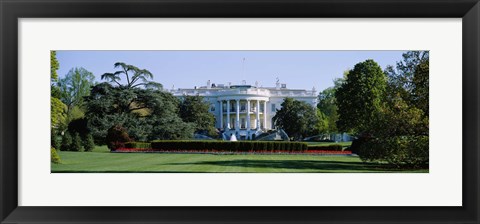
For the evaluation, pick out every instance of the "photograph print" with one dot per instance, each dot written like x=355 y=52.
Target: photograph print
x=235 y=111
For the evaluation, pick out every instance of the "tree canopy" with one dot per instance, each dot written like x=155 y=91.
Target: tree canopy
x=57 y=108
x=361 y=98
x=297 y=118
x=75 y=86
x=327 y=106
x=195 y=110
x=54 y=66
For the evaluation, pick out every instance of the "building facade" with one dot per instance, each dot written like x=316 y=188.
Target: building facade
x=246 y=110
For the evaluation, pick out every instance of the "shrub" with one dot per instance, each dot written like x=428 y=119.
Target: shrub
x=54 y=157
x=399 y=151
x=240 y=146
x=116 y=138
x=335 y=147
x=88 y=143
x=138 y=145
x=55 y=140
x=66 y=142
x=356 y=143
x=76 y=143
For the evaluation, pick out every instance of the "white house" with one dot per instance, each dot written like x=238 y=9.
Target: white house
x=245 y=110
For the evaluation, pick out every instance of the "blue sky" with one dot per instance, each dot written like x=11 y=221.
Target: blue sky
x=186 y=69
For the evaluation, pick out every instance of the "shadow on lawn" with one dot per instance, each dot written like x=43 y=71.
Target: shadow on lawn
x=295 y=164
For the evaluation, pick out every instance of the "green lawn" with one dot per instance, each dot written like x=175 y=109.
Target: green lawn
x=101 y=160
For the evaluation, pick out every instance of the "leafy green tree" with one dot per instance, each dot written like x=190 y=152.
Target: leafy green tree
x=323 y=122
x=58 y=110
x=297 y=118
x=404 y=73
x=195 y=110
x=402 y=128
x=327 y=102
x=401 y=119
x=327 y=105
x=54 y=66
x=408 y=94
x=164 y=118
x=360 y=99
x=88 y=143
x=409 y=79
x=421 y=82
x=66 y=142
x=75 y=86
x=58 y=113
x=76 y=143
x=108 y=106
x=146 y=113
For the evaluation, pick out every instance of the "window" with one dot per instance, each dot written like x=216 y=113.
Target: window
x=273 y=107
x=242 y=107
x=212 y=107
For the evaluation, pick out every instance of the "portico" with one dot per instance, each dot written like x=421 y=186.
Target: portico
x=243 y=116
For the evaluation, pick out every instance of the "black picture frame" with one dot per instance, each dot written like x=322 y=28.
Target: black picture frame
x=11 y=11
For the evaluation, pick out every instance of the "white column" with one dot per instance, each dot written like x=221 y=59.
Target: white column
x=237 y=120
x=248 y=115
x=265 y=114
x=258 y=115
x=221 y=114
x=228 y=114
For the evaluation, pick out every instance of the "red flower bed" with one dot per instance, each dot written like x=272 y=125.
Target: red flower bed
x=307 y=152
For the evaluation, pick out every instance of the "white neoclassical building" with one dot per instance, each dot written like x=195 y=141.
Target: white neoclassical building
x=245 y=110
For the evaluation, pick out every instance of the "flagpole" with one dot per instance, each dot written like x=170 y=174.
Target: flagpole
x=243 y=68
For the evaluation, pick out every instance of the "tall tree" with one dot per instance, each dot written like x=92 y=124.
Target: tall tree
x=75 y=86
x=194 y=109
x=54 y=66
x=360 y=98
x=58 y=115
x=297 y=118
x=327 y=104
x=421 y=82
x=57 y=108
x=401 y=130
x=147 y=113
x=407 y=75
x=408 y=94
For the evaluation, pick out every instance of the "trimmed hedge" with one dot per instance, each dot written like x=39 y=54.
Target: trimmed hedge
x=239 y=146
x=138 y=145
x=326 y=147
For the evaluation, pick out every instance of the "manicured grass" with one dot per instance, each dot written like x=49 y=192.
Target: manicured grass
x=101 y=160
